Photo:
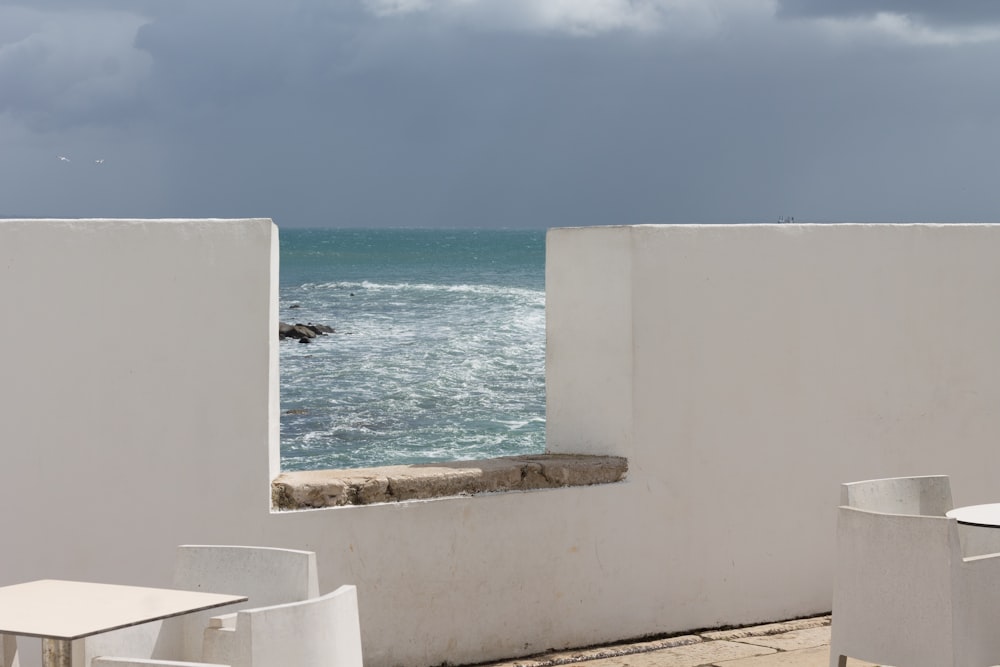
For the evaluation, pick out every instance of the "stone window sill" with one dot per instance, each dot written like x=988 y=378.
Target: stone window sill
x=310 y=489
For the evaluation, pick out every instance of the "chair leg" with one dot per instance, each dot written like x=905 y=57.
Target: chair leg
x=8 y=651
x=837 y=659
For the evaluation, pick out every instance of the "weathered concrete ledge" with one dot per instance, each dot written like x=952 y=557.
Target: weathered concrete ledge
x=307 y=489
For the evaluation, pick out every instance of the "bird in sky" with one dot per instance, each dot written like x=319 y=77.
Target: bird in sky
x=63 y=158
x=101 y=161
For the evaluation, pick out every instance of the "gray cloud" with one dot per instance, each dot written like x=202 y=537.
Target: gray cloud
x=59 y=68
x=332 y=113
x=962 y=12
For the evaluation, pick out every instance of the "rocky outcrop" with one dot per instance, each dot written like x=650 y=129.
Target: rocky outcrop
x=303 y=332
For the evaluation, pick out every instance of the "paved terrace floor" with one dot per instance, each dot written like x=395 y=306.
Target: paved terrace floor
x=799 y=643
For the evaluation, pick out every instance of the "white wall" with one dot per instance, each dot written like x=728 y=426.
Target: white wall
x=135 y=390
x=744 y=370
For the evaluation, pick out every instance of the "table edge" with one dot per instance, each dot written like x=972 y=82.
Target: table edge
x=236 y=599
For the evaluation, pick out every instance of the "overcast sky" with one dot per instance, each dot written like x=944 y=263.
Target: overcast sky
x=501 y=113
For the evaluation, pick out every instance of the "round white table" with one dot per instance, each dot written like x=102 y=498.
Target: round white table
x=978 y=528
x=987 y=516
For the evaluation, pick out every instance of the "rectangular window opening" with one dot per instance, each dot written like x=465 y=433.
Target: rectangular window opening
x=412 y=365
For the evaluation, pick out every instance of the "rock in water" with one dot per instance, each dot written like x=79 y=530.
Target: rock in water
x=303 y=331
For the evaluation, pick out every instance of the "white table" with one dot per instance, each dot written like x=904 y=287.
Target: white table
x=61 y=611
x=979 y=528
x=987 y=516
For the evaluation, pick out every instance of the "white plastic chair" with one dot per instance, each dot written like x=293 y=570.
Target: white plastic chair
x=267 y=576
x=8 y=651
x=904 y=594
x=929 y=495
x=321 y=632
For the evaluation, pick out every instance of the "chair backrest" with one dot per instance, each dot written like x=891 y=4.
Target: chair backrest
x=267 y=576
x=928 y=495
x=893 y=596
x=321 y=632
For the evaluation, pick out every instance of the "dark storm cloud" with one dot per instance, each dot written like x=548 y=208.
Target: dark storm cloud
x=409 y=124
x=139 y=6
x=228 y=50
x=60 y=69
x=488 y=115
x=941 y=12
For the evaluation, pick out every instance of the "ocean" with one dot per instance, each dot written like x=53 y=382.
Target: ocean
x=438 y=352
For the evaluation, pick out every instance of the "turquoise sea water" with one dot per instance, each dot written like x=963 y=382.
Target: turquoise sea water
x=439 y=350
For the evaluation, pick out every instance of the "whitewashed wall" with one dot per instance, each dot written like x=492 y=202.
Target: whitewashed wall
x=744 y=370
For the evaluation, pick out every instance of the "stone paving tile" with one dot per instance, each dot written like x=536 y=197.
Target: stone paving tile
x=601 y=652
x=818 y=656
x=692 y=655
x=598 y=653
x=769 y=629
x=519 y=662
x=798 y=643
x=794 y=640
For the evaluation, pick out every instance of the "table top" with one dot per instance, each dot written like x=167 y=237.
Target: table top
x=59 y=609
x=978 y=515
